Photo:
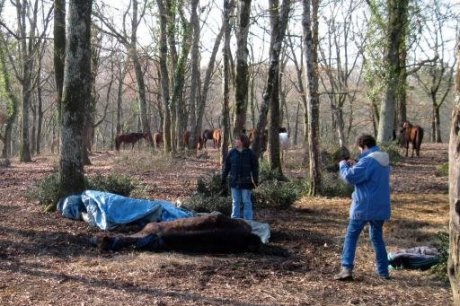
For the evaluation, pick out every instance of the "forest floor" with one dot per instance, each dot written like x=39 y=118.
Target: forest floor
x=45 y=259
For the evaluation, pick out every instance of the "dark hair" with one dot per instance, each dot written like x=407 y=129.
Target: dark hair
x=244 y=141
x=366 y=140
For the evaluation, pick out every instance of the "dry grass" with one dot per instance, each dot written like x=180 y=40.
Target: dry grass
x=46 y=259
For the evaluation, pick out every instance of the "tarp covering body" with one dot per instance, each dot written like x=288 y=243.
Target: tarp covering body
x=107 y=210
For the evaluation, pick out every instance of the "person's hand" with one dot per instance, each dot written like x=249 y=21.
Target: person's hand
x=351 y=162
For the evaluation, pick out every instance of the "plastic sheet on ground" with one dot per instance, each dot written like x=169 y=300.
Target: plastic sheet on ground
x=107 y=210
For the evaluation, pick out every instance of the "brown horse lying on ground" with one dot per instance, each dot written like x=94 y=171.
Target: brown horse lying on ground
x=210 y=233
x=411 y=134
x=131 y=138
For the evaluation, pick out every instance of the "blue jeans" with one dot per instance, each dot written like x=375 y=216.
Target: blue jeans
x=351 y=240
x=242 y=196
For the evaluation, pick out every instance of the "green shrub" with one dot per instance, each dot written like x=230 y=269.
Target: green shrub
x=442 y=170
x=204 y=203
x=119 y=184
x=268 y=174
x=392 y=148
x=333 y=186
x=276 y=194
x=209 y=185
x=442 y=244
x=47 y=192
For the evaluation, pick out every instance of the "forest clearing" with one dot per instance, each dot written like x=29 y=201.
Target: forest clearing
x=46 y=259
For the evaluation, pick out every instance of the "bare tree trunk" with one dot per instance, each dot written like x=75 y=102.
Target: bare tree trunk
x=59 y=49
x=226 y=79
x=299 y=67
x=242 y=80
x=132 y=51
x=279 y=19
x=76 y=94
x=195 y=90
x=165 y=77
x=121 y=76
x=397 y=22
x=310 y=28
x=13 y=103
x=25 y=155
x=179 y=82
x=39 y=119
x=33 y=129
x=207 y=80
x=453 y=268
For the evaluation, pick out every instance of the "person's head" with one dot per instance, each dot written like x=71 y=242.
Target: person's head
x=242 y=141
x=365 y=141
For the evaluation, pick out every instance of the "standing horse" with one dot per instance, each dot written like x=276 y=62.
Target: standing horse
x=158 y=139
x=129 y=138
x=412 y=134
x=207 y=135
x=216 y=138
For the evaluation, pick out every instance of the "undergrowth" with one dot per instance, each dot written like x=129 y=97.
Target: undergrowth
x=47 y=192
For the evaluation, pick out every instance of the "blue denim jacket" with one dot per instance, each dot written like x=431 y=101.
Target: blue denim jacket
x=371 y=178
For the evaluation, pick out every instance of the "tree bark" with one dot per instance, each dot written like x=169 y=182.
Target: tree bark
x=134 y=55
x=195 y=90
x=310 y=28
x=59 y=49
x=242 y=80
x=226 y=81
x=397 y=23
x=453 y=268
x=179 y=82
x=76 y=94
x=165 y=77
x=279 y=19
x=13 y=103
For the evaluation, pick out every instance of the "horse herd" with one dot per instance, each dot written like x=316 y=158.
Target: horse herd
x=132 y=138
x=409 y=135
x=208 y=134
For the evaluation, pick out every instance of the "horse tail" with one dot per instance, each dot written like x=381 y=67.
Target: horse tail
x=419 y=138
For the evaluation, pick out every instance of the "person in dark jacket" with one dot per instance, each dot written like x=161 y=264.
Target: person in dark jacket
x=243 y=166
x=370 y=203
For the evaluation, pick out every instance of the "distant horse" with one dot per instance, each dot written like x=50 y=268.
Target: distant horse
x=129 y=138
x=206 y=135
x=216 y=138
x=158 y=139
x=186 y=138
x=284 y=144
x=412 y=134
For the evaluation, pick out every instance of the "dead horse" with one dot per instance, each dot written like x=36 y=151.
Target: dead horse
x=203 y=234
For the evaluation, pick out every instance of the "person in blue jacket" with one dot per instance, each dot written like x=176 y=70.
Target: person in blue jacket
x=243 y=166
x=370 y=204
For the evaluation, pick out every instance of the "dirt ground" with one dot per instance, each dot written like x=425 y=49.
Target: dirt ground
x=46 y=259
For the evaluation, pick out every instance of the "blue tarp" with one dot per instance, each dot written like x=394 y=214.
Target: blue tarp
x=107 y=210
